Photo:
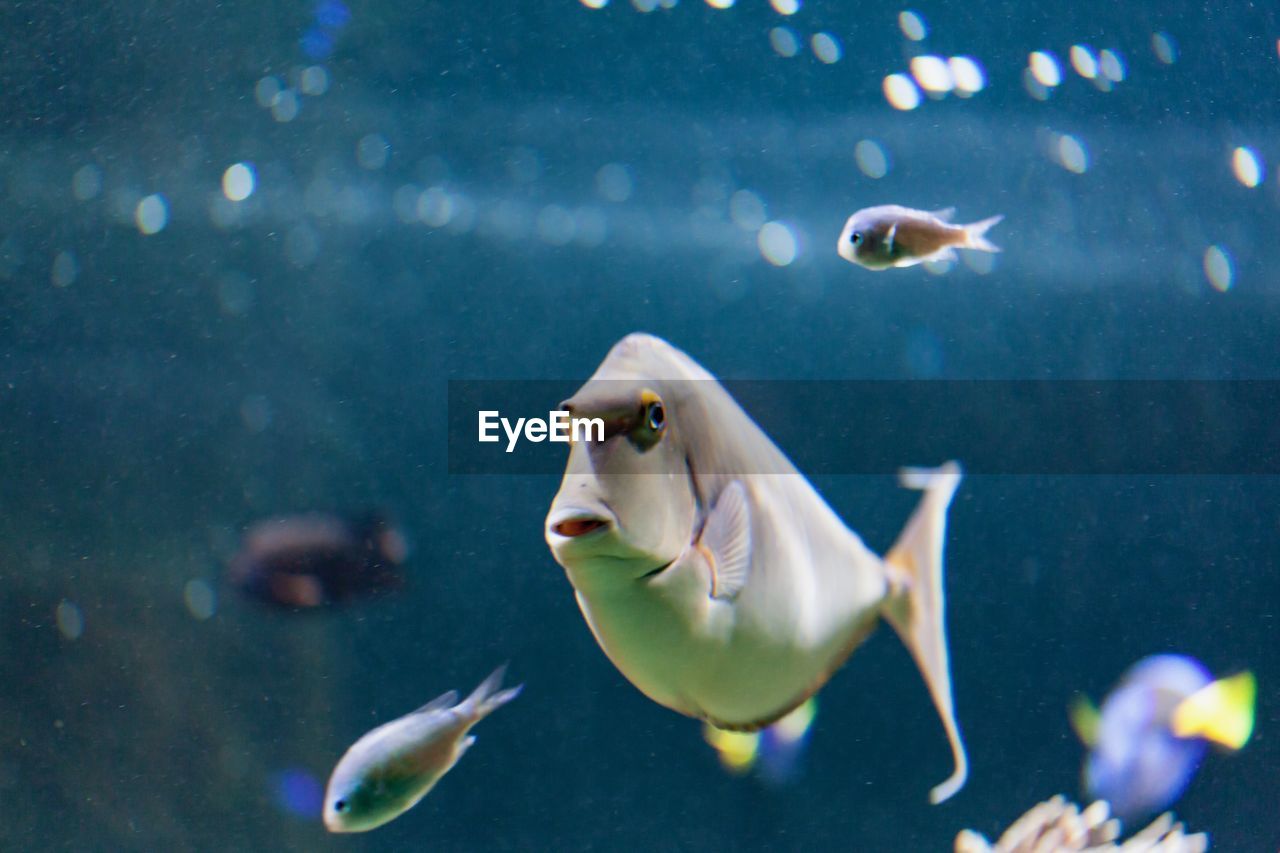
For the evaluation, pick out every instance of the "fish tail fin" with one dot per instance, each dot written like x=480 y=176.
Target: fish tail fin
x=915 y=606
x=975 y=234
x=1221 y=711
x=487 y=698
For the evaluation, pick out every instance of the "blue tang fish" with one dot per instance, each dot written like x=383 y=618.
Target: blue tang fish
x=1147 y=740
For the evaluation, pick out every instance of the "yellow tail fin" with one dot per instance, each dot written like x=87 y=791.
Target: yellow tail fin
x=1221 y=712
x=916 y=605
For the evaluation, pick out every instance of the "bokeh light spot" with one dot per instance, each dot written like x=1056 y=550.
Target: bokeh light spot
x=200 y=598
x=152 y=214
x=747 y=210
x=65 y=269
x=784 y=42
x=826 y=48
x=1083 y=61
x=932 y=74
x=70 y=619
x=1071 y=154
x=912 y=25
x=901 y=92
x=871 y=158
x=1218 y=268
x=86 y=183
x=595 y=4
x=967 y=75
x=1044 y=67
x=777 y=243
x=372 y=151
x=785 y=7
x=1111 y=66
x=314 y=80
x=613 y=182
x=1247 y=167
x=1165 y=48
x=238 y=181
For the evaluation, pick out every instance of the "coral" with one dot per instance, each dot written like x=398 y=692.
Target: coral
x=1056 y=826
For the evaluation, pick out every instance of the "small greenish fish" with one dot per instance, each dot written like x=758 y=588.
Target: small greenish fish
x=711 y=572
x=893 y=236
x=386 y=772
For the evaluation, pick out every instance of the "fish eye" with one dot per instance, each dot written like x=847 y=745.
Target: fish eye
x=655 y=416
x=340 y=806
x=855 y=238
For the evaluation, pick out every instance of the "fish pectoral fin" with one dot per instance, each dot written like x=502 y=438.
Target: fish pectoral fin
x=915 y=605
x=1222 y=711
x=888 y=238
x=1085 y=719
x=726 y=542
x=444 y=700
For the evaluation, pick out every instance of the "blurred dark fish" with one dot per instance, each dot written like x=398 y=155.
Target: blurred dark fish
x=316 y=559
x=893 y=236
x=1147 y=740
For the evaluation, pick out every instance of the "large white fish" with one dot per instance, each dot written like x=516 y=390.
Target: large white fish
x=710 y=571
x=386 y=772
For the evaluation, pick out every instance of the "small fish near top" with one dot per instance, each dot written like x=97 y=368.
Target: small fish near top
x=386 y=772
x=1147 y=740
x=305 y=561
x=893 y=236
x=710 y=571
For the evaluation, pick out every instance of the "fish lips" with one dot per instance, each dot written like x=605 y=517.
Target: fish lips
x=571 y=524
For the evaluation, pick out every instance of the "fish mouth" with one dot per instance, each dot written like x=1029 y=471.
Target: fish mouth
x=576 y=523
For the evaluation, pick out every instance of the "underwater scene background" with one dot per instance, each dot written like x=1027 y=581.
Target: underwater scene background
x=245 y=246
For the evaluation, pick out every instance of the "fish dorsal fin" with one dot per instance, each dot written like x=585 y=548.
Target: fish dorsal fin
x=726 y=541
x=946 y=214
x=444 y=700
x=1221 y=712
x=888 y=238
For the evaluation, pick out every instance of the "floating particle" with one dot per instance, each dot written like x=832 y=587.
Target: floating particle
x=1247 y=167
x=912 y=25
x=200 y=598
x=265 y=91
x=595 y=4
x=1071 y=154
x=69 y=619
x=932 y=74
x=613 y=182
x=784 y=42
x=871 y=159
x=435 y=207
x=826 y=48
x=86 y=183
x=1111 y=66
x=747 y=210
x=785 y=7
x=1218 y=269
x=967 y=74
x=314 y=80
x=1165 y=48
x=65 y=269
x=901 y=92
x=284 y=106
x=1083 y=61
x=777 y=243
x=151 y=214
x=238 y=181
x=1044 y=67
x=555 y=225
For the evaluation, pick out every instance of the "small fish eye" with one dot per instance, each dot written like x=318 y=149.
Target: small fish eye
x=340 y=806
x=656 y=416
x=855 y=238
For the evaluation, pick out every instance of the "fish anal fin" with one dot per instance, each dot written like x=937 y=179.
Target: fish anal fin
x=1221 y=711
x=915 y=606
x=440 y=703
x=726 y=541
